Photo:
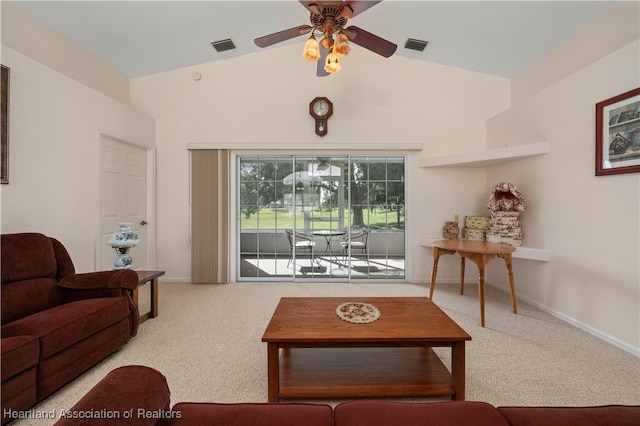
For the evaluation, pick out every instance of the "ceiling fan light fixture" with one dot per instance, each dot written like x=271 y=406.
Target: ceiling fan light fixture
x=311 y=49
x=333 y=63
x=329 y=20
x=341 y=45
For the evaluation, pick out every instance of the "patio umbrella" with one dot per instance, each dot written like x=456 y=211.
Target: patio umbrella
x=302 y=177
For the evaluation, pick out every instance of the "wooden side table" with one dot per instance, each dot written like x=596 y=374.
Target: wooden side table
x=152 y=278
x=480 y=252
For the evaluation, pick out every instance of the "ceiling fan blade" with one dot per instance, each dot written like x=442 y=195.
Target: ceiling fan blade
x=359 y=6
x=312 y=6
x=271 y=39
x=320 y=72
x=370 y=41
x=307 y=4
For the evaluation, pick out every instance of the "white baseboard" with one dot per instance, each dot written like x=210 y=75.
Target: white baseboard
x=582 y=326
x=579 y=324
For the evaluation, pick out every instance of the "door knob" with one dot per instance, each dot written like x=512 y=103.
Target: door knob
x=144 y=222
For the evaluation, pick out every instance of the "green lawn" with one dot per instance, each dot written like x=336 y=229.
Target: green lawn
x=270 y=218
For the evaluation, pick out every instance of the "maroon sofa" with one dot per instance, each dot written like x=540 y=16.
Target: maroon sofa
x=55 y=323
x=138 y=395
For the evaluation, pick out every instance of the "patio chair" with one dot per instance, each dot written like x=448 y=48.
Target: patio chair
x=299 y=241
x=356 y=240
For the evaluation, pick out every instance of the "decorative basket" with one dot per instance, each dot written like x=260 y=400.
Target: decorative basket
x=451 y=230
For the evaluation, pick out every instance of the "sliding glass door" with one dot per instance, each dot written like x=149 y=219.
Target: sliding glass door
x=321 y=217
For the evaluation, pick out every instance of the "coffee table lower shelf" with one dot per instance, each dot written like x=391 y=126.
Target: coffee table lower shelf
x=362 y=372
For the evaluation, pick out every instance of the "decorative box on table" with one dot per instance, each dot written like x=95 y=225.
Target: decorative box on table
x=475 y=227
x=477 y=222
x=474 y=234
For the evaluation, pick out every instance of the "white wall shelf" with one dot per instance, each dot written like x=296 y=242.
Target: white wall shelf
x=487 y=158
x=526 y=253
x=529 y=253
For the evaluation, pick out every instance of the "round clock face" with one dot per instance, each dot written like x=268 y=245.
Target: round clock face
x=321 y=107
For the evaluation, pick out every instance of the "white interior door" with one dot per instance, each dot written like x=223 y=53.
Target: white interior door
x=123 y=197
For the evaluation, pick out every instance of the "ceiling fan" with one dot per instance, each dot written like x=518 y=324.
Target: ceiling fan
x=329 y=20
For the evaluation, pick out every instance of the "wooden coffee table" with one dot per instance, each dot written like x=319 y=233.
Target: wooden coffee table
x=311 y=353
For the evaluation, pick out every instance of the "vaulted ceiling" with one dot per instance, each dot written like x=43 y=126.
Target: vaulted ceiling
x=138 y=38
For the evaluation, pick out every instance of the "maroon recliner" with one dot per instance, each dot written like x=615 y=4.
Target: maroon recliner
x=56 y=323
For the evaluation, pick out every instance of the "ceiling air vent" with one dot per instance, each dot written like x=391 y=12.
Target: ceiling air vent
x=223 y=45
x=414 y=44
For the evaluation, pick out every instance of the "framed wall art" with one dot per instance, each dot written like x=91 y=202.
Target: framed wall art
x=4 y=114
x=618 y=134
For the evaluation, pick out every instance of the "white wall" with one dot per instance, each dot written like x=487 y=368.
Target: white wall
x=264 y=98
x=24 y=34
x=590 y=224
x=54 y=125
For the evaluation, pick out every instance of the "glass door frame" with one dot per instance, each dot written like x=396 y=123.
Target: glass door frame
x=313 y=158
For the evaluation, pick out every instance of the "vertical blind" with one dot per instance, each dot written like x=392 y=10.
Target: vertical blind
x=210 y=216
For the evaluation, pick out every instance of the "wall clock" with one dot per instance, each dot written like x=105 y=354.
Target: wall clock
x=321 y=109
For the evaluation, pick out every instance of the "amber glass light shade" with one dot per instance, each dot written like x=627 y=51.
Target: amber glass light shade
x=333 y=63
x=327 y=42
x=341 y=45
x=311 y=49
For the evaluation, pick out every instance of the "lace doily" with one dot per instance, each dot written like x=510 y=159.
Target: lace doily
x=358 y=313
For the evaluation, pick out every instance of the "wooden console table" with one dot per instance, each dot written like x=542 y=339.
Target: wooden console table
x=480 y=252
x=152 y=278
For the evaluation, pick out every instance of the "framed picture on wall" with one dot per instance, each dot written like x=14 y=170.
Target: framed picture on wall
x=618 y=134
x=4 y=114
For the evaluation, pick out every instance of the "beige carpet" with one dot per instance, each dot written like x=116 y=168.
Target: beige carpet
x=206 y=341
